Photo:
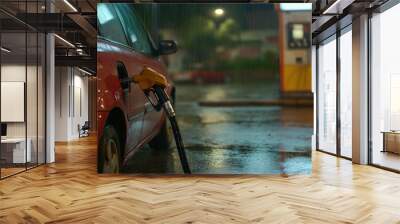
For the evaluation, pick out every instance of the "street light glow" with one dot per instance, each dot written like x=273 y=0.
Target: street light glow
x=219 y=12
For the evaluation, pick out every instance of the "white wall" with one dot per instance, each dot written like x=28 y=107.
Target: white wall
x=71 y=93
x=61 y=103
x=33 y=127
x=12 y=73
x=80 y=93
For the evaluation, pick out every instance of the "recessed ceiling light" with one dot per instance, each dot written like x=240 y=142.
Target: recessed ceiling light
x=84 y=71
x=5 y=50
x=65 y=41
x=335 y=7
x=70 y=5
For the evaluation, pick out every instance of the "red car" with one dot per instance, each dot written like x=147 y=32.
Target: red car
x=126 y=119
x=201 y=77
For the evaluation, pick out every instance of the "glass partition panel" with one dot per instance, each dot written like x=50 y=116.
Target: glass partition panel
x=385 y=89
x=22 y=87
x=31 y=97
x=41 y=99
x=327 y=97
x=15 y=150
x=346 y=94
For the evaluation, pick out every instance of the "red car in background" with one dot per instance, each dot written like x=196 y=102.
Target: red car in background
x=126 y=119
x=200 y=77
x=207 y=77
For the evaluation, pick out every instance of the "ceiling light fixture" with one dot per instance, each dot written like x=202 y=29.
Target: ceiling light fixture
x=79 y=51
x=70 y=5
x=335 y=8
x=65 y=41
x=84 y=71
x=5 y=50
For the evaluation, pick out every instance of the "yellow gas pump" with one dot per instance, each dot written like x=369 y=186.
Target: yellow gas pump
x=295 y=53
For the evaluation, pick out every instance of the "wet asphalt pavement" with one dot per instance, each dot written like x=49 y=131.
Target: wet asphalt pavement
x=234 y=140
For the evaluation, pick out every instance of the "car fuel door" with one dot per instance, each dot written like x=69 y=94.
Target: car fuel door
x=152 y=117
x=132 y=98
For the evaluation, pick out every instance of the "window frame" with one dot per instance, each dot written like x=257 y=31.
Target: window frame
x=154 y=51
x=371 y=15
x=333 y=37
x=104 y=37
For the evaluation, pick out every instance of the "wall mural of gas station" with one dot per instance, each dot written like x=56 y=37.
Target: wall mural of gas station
x=211 y=89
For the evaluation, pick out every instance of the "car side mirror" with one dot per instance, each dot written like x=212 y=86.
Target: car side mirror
x=167 y=47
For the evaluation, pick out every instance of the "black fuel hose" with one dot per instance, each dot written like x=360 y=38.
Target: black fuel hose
x=179 y=145
x=163 y=101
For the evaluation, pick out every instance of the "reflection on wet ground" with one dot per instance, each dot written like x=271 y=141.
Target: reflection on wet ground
x=234 y=140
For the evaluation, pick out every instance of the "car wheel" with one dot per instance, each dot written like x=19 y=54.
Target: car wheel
x=109 y=160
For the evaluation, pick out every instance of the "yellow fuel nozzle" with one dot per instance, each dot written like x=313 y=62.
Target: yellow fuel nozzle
x=149 y=78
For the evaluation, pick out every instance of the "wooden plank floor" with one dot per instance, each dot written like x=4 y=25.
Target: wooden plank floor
x=70 y=191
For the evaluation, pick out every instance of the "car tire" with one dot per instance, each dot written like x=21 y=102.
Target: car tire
x=109 y=156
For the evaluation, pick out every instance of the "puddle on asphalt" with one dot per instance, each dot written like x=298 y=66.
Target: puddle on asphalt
x=234 y=140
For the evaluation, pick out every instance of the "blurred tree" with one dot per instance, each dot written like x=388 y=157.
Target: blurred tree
x=202 y=37
x=208 y=41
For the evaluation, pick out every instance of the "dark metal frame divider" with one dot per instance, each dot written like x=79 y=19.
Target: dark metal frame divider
x=382 y=8
x=339 y=32
x=44 y=80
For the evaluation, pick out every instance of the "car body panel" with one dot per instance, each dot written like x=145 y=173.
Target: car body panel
x=142 y=121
